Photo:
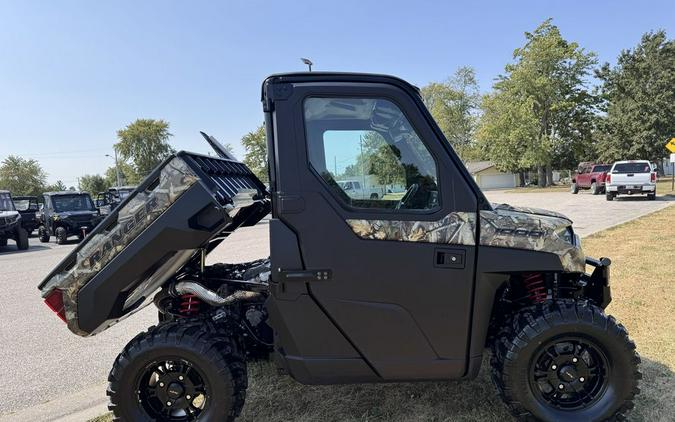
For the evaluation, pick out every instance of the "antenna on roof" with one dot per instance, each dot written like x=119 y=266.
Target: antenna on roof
x=308 y=62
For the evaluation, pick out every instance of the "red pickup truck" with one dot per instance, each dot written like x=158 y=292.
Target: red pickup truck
x=590 y=176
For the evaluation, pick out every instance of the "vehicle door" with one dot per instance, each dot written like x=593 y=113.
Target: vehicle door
x=394 y=274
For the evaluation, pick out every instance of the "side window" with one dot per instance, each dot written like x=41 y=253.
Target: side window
x=370 y=156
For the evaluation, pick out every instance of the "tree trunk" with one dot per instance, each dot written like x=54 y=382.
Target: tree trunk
x=549 y=175
x=521 y=177
x=541 y=176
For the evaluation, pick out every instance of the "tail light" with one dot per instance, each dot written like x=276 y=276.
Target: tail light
x=653 y=177
x=54 y=301
x=608 y=179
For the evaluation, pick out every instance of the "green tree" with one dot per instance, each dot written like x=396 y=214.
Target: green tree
x=22 y=176
x=639 y=101
x=93 y=183
x=547 y=84
x=508 y=130
x=256 y=152
x=454 y=104
x=127 y=175
x=145 y=144
x=55 y=187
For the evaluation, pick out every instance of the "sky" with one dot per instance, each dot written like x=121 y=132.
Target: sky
x=72 y=73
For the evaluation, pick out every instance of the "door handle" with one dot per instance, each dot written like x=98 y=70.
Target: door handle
x=449 y=258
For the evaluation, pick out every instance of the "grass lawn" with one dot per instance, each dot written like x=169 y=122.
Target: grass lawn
x=663 y=187
x=536 y=189
x=643 y=288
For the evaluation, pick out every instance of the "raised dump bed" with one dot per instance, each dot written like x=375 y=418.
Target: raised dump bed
x=180 y=212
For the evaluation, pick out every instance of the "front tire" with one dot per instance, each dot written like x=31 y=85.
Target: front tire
x=3 y=241
x=609 y=196
x=61 y=235
x=177 y=371
x=21 y=239
x=574 y=188
x=565 y=361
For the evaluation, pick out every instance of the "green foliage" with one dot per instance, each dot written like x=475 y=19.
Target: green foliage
x=377 y=158
x=93 y=183
x=127 y=175
x=145 y=143
x=22 y=176
x=454 y=105
x=540 y=107
x=56 y=187
x=639 y=101
x=256 y=152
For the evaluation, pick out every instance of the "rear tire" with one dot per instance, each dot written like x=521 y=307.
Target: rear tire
x=594 y=189
x=651 y=196
x=3 y=242
x=174 y=361
x=21 y=239
x=574 y=188
x=61 y=235
x=43 y=234
x=565 y=361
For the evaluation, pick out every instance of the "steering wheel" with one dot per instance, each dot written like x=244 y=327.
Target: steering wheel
x=409 y=193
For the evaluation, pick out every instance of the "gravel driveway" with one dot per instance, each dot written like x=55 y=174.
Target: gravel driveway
x=43 y=361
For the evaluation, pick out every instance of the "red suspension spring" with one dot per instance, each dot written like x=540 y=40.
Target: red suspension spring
x=189 y=305
x=536 y=289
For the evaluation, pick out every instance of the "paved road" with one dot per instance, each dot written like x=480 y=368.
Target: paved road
x=40 y=360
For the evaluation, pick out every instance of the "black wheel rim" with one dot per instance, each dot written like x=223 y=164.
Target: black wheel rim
x=569 y=373
x=172 y=390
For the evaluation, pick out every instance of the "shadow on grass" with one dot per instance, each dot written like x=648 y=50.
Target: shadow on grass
x=272 y=397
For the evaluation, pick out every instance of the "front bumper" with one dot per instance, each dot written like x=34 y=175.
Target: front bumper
x=631 y=189
x=596 y=284
x=9 y=229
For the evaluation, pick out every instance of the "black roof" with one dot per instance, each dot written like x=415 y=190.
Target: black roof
x=66 y=192
x=339 y=77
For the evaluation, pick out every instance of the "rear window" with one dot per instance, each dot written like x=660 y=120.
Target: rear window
x=632 y=168
x=601 y=168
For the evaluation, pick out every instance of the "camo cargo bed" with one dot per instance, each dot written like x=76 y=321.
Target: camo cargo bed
x=189 y=204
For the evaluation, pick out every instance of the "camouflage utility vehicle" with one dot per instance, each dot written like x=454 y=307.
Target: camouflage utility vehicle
x=10 y=223
x=407 y=287
x=65 y=214
x=28 y=207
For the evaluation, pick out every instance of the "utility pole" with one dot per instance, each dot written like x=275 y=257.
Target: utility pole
x=117 y=167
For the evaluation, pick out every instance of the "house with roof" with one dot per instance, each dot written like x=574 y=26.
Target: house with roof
x=487 y=176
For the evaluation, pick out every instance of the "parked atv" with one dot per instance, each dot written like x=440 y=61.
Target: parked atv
x=10 y=223
x=110 y=199
x=28 y=207
x=413 y=287
x=65 y=214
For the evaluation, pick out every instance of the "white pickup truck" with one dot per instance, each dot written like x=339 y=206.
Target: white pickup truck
x=357 y=190
x=631 y=178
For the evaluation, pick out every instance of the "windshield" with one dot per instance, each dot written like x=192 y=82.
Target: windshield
x=642 y=167
x=72 y=203
x=6 y=203
x=601 y=168
x=26 y=204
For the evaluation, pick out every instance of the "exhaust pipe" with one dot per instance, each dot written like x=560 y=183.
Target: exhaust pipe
x=208 y=295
